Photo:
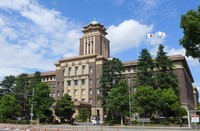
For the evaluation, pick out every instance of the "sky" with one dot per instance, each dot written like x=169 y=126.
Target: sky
x=34 y=34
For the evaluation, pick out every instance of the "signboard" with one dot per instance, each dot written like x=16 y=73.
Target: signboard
x=143 y=120
x=195 y=119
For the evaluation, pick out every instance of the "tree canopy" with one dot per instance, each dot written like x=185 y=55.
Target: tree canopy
x=7 y=84
x=164 y=77
x=41 y=100
x=118 y=99
x=8 y=106
x=190 y=22
x=111 y=75
x=64 y=108
x=145 y=69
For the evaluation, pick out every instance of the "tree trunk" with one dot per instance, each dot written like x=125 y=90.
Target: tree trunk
x=122 y=120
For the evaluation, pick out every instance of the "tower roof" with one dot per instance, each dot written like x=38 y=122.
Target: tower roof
x=94 y=25
x=94 y=22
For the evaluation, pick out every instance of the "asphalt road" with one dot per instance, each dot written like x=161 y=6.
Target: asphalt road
x=90 y=128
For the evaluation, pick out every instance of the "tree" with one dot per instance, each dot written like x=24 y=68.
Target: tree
x=20 y=92
x=8 y=106
x=111 y=75
x=41 y=100
x=191 y=29
x=118 y=99
x=64 y=108
x=145 y=69
x=7 y=84
x=170 y=102
x=84 y=114
x=34 y=81
x=145 y=101
x=165 y=77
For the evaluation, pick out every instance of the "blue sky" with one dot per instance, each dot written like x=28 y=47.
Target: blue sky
x=34 y=34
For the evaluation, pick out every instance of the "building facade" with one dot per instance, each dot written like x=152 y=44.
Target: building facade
x=79 y=76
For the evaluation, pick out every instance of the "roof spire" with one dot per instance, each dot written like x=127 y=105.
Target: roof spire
x=94 y=22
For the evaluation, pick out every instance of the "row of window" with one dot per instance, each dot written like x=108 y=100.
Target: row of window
x=57 y=93
x=83 y=91
x=49 y=78
x=76 y=73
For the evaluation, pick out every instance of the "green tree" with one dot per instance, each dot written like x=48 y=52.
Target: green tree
x=165 y=77
x=8 y=107
x=41 y=100
x=118 y=99
x=7 y=84
x=84 y=114
x=64 y=108
x=145 y=69
x=20 y=92
x=111 y=75
x=191 y=30
x=170 y=102
x=34 y=81
x=145 y=100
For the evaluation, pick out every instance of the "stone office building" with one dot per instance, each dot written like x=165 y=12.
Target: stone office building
x=79 y=76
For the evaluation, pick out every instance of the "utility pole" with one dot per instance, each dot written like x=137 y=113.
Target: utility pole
x=32 y=107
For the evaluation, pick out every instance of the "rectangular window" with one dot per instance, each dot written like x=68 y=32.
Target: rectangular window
x=83 y=100
x=69 y=83
x=58 y=94
x=90 y=91
x=83 y=69
x=76 y=92
x=53 y=94
x=76 y=82
x=50 y=85
x=63 y=93
x=75 y=100
x=98 y=91
x=83 y=91
x=63 y=73
x=58 y=84
x=90 y=69
x=76 y=70
x=54 y=85
x=69 y=71
x=83 y=81
x=62 y=83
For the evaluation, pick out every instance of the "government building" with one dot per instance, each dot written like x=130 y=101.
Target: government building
x=79 y=76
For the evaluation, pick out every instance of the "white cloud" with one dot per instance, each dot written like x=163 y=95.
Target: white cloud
x=128 y=34
x=149 y=9
x=33 y=37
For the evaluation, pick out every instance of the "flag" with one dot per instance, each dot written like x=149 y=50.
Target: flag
x=149 y=35
x=161 y=34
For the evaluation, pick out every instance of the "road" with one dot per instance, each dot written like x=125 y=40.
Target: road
x=7 y=127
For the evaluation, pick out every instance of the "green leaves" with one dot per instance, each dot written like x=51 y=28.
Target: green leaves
x=145 y=69
x=8 y=107
x=64 y=107
x=191 y=29
x=41 y=100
